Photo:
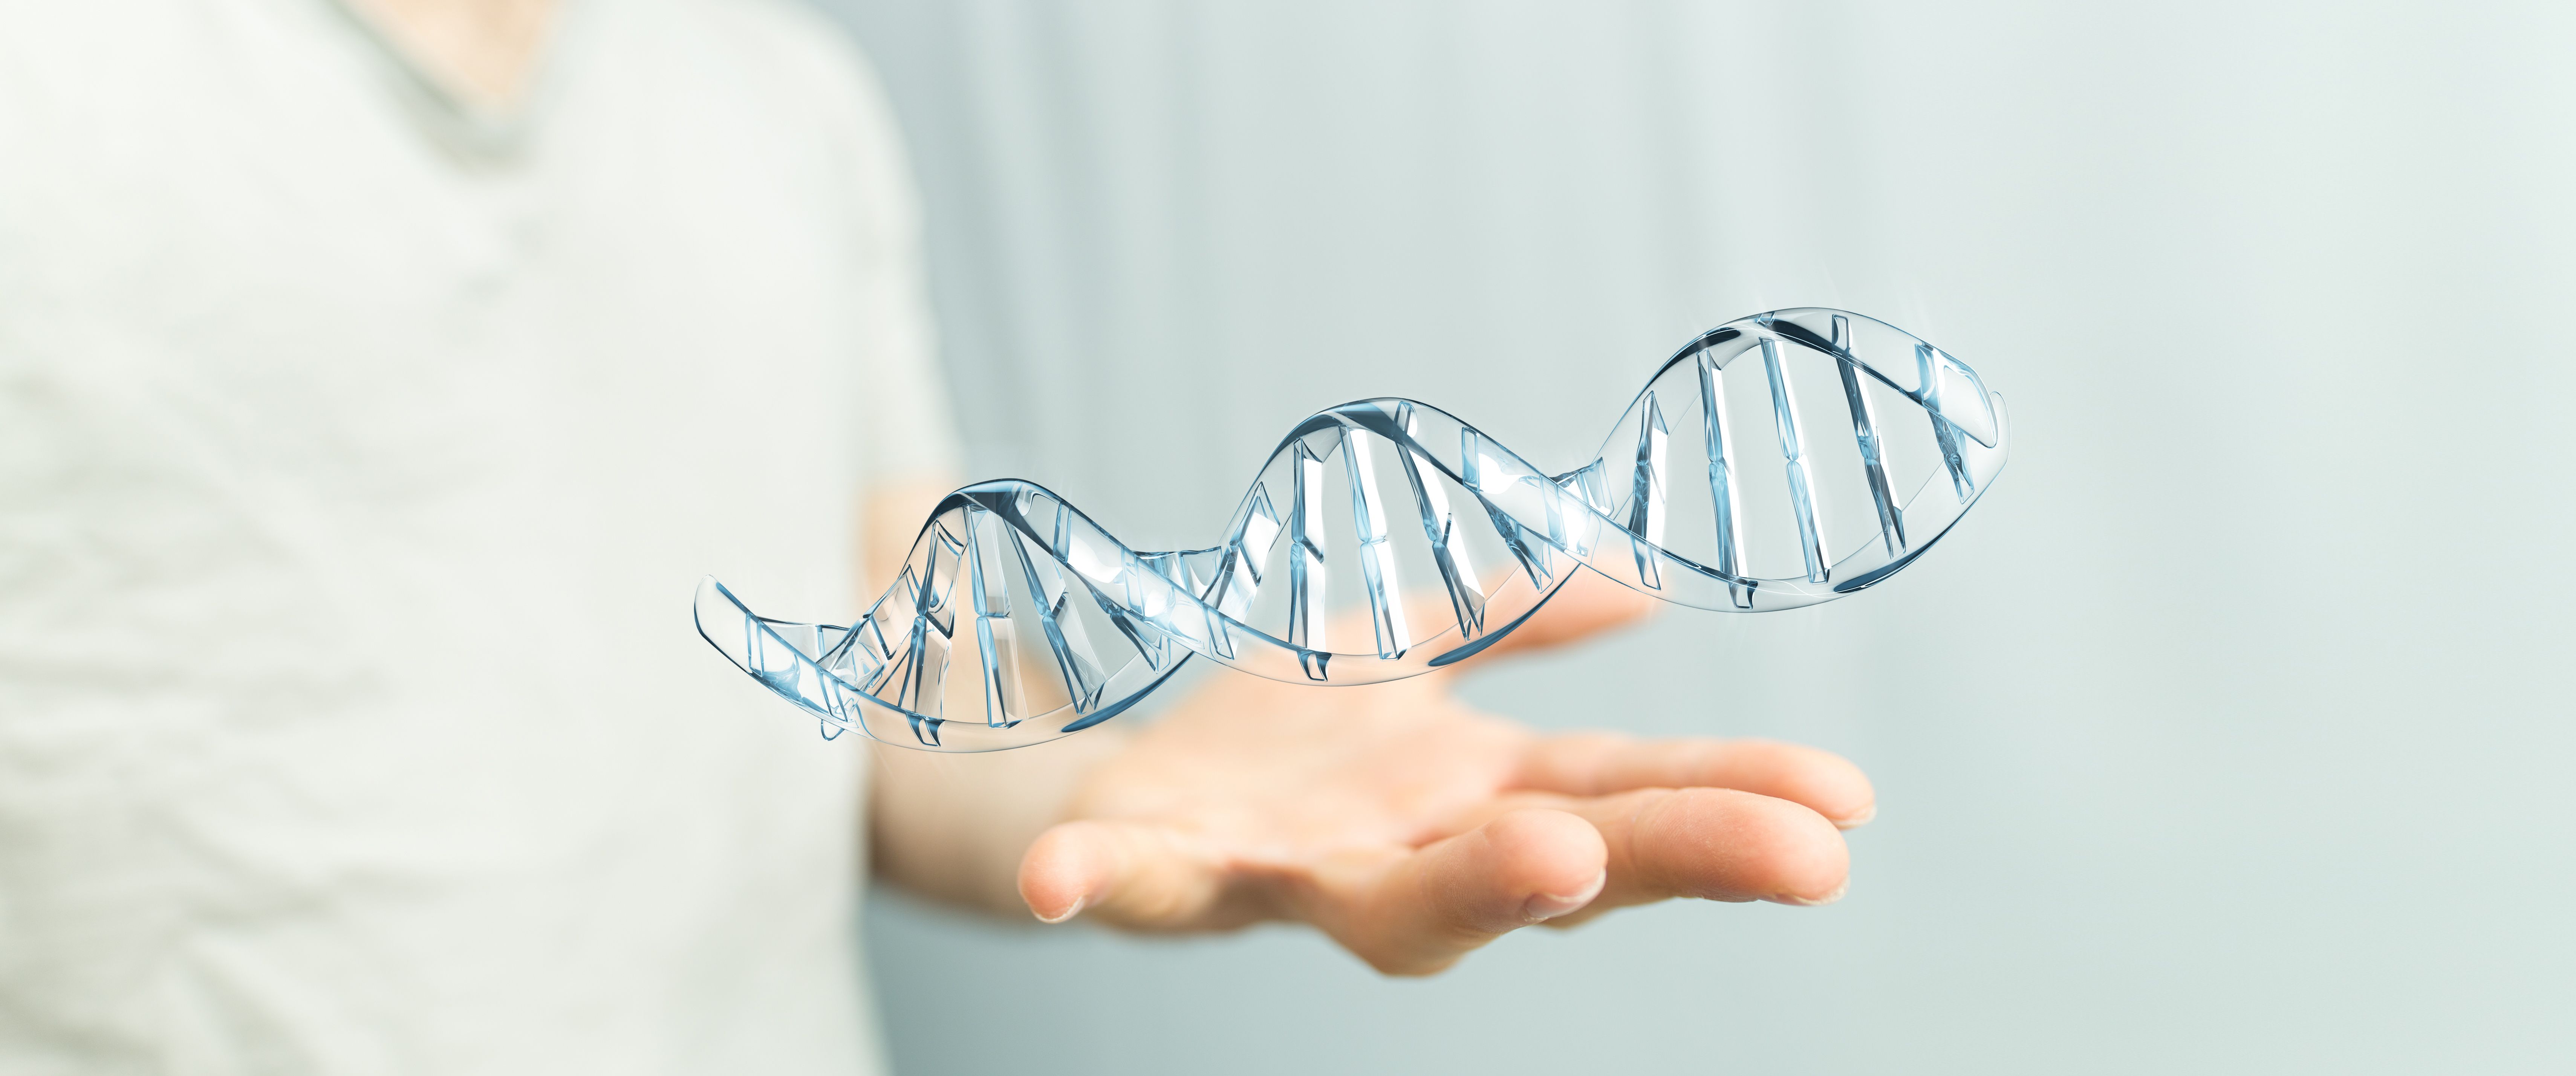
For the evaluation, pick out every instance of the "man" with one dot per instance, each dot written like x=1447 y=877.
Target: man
x=376 y=377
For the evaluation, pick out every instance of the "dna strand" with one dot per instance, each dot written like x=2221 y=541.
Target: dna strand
x=1385 y=538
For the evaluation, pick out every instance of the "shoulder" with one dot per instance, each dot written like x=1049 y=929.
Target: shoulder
x=794 y=50
x=805 y=67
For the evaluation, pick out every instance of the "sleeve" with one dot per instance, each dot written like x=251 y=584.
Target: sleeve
x=908 y=426
x=905 y=427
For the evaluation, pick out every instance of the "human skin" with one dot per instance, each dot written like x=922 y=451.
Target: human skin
x=1409 y=827
x=484 y=49
x=1402 y=823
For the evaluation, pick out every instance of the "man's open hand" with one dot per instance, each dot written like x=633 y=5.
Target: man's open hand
x=1413 y=829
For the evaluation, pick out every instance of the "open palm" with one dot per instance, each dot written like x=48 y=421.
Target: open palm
x=1413 y=828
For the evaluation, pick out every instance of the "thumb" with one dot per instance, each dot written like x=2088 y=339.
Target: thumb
x=1126 y=873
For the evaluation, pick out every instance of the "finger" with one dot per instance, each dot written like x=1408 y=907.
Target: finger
x=1588 y=604
x=1429 y=908
x=1131 y=874
x=1712 y=844
x=1599 y=764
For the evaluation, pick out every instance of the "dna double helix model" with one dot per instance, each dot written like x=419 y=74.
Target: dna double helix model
x=1776 y=461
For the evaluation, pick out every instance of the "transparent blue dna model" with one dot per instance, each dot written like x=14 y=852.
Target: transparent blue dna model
x=1781 y=460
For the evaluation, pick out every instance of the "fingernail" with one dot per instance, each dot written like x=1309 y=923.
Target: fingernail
x=1069 y=912
x=1545 y=906
x=1858 y=820
x=1816 y=902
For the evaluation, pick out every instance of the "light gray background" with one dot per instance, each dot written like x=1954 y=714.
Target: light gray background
x=2227 y=735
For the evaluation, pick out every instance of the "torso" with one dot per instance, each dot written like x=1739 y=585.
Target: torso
x=356 y=463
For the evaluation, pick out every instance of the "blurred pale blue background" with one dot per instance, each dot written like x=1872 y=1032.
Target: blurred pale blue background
x=2226 y=736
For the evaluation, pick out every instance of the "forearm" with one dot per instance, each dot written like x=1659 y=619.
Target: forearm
x=953 y=827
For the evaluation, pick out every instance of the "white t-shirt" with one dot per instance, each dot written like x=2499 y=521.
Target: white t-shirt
x=358 y=458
